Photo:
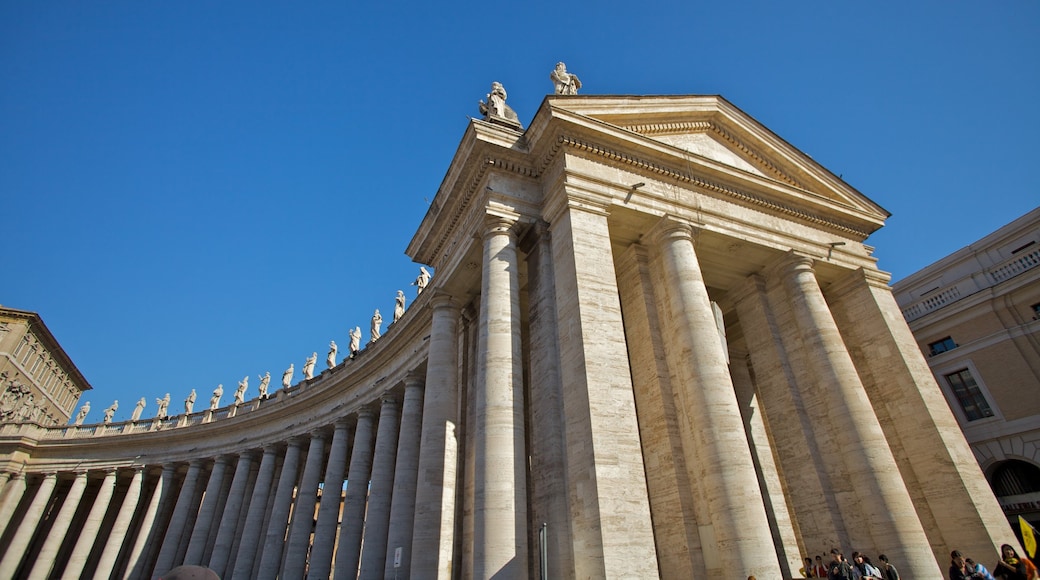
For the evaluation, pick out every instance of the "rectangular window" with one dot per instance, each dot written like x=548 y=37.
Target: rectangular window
x=968 y=395
x=942 y=346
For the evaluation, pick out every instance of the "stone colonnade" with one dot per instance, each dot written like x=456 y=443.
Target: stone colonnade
x=257 y=513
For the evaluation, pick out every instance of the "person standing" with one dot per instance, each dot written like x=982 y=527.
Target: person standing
x=888 y=571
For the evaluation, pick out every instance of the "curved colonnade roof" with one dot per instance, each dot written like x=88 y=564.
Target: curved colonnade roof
x=344 y=390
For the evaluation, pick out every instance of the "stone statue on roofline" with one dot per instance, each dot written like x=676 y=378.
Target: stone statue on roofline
x=330 y=359
x=495 y=110
x=564 y=83
x=377 y=323
x=110 y=412
x=399 y=305
x=138 y=409
x=163 y=404
x=422 y=280
x=189 y=403
x=308 y=366
x=214 y=401
x=355 y=340
x=265 y=380
x=287 y=376
x=82 y=415
x=240 y=392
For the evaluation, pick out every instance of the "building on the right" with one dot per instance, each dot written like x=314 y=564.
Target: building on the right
x=976 y=316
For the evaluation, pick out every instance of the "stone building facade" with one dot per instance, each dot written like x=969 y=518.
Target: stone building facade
x=38 y=381
x=655 y=345
x=976 y=317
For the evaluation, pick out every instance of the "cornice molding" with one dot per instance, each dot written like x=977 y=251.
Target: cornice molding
x=684 y=177
x=704 y=126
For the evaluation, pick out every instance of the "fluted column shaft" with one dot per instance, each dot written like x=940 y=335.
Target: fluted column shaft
x=402 y=506
x=116 y=538
x=377 y=518
x=200 y=533
x=274 y=539
x=320 y=563
x=252 y=532
x=45 y=559
x=348 y=554
x=705 y=391
x=500 y=518
x=218 y=560
x=303 y=513
x=868 y=460
x=433 y=531
x=23 y=535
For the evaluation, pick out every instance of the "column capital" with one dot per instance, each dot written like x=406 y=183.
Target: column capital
x=794 y=263
x=499 y=225
x=672 y=228
x=366 y=412
x=388 y=400
x=443 y=300
x=415 y=378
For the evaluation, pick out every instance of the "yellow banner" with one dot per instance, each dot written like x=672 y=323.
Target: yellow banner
x=1028 y=539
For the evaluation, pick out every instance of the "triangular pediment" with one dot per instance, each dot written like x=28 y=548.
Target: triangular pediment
x=713 y=131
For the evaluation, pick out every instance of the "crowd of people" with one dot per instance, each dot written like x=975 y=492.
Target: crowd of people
x=1010 y=566
x=839 y=568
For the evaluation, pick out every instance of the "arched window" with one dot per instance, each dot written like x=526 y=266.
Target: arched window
x=1014 y=477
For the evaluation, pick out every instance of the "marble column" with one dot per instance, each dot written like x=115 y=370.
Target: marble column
x=869 y=465
x=252 y=532
x=377 y=518
x=221 y=556
x=200 y=532
x=402 y=506
x=14 y=489
x=185 y=503
x=44 y=561
x=274 y=538
x=348 y=553
x=24 y=534
x=324 y=544
x=124 y=519
x=500 y=514
x=88 y=534
x=433 y=531
x=137 y=561
x=721 y=454
x=303 y=513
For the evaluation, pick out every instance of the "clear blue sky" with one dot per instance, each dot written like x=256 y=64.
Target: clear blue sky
x=196 y=191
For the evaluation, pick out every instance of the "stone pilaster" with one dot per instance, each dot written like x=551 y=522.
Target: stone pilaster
x=348 y=554
x=200 y=532
x=433 y=531
x=402 y=506
x=500 y=503
x=320 y=562
x=548 y=475
x=303 y=512
x=612 y=532
x=867 y=460
x=44 y=561
x=377 y=518
x=253 y=530
x=23 y=535
x=721 y=455
x=274 y=539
